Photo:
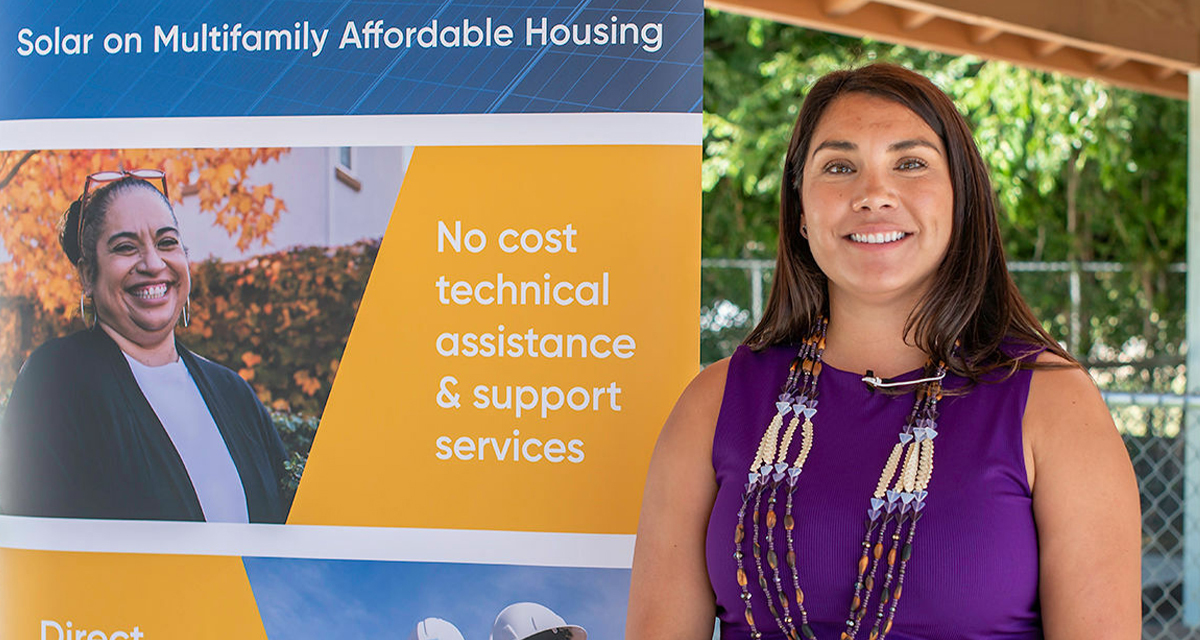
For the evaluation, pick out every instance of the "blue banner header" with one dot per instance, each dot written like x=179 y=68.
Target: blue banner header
x=283 y=57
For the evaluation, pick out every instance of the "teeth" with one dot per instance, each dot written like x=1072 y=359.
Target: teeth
x=877 y=238
x=153 y=291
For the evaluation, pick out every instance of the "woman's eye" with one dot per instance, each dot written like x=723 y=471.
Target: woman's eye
x=124 y=248
x=168 y=243
x=909 y=164
x=838 y=167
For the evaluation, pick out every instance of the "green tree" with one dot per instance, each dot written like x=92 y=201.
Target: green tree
x=1082 y=172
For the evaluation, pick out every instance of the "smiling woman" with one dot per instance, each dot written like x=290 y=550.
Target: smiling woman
x=792 y=491
x=120 y=420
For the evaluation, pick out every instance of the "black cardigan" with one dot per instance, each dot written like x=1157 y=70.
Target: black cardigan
x=79 y=440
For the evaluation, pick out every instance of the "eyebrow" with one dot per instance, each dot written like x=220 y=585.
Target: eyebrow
x=133 y=236
x=901 y=145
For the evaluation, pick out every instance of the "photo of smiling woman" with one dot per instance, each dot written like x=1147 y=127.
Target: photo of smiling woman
x=120 y=420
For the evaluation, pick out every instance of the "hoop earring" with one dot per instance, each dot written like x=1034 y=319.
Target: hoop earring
x=187 y=311
x=83 y=315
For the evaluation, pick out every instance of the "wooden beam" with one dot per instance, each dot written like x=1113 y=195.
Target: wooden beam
x=1043 y=48
x=1107 y=61
x=1014 y=44
x=982 y=34
x=839 y=8
x=1168 y=29
x=1162 y=73
x=910 y=20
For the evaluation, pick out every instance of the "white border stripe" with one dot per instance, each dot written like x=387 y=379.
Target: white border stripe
x=354 y=131
x=605 y=551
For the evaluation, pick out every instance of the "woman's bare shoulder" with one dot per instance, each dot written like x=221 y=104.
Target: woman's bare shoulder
x=1064 y=405
x=1063 y=396
x=694 y=417
x=703 y=395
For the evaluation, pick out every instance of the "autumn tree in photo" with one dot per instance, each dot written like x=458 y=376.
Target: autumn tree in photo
x=37 y=186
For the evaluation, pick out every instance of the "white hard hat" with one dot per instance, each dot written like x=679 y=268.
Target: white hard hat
x=528 y=619
x=435 y=629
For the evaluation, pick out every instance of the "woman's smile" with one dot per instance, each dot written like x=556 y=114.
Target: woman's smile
x=151 y=292
x=886 y=237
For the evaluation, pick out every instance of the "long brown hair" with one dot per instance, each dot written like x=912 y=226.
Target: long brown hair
x=972 y=301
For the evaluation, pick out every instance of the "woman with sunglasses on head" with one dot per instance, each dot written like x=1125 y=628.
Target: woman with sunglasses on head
x=796 y=490
x=119 y=420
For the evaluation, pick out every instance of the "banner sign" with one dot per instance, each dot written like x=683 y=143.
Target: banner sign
x=227 y=58
x=435 y=269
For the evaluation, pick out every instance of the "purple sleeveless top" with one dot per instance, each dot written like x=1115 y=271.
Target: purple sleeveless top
x=974 y=566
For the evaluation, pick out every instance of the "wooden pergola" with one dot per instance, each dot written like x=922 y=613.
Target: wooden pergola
x=1146 y=45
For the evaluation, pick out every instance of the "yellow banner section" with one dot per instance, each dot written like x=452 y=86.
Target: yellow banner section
x=530 y=319
x=55 y=595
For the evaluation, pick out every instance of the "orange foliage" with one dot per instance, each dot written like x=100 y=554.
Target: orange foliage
x=37 y=186
x=280 y=320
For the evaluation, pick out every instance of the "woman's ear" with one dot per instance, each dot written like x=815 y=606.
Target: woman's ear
x=85 y=277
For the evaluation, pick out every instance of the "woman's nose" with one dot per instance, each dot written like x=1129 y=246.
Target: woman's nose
x=875 y=193
x=152 y=261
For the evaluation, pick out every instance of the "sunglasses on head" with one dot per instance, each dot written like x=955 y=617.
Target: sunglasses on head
x=101 y=177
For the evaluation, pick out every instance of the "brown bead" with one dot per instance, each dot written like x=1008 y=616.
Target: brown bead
x=749 y=617
x=855 y=602
x=741 y=577
x=757 y=549
x=845 y=636
x=888 y=628
x=789 y=522
x=878 y=551
x=739 y=534
x=870 y=583
x=862 y=564
x=791 y=559
x=892 y=557
x=755 y=517
x=874 y=635
x=772 y=559
x=771 y=519
x=799 y=596
x=896 y=595
x=817 y=369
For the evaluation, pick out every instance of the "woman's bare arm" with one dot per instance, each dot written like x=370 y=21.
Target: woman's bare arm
x=1085 y=503
x=670 y=596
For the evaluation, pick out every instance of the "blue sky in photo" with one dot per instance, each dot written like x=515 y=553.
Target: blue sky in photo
x=300 y=599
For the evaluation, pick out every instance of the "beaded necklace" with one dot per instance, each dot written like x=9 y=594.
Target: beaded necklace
x=895 y=506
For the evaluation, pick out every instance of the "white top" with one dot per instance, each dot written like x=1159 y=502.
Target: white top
x=181 y=409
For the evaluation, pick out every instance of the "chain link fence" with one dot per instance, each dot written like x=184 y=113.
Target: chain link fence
x=1145 y=395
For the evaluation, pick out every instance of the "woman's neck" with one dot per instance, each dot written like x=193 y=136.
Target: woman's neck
x=151 y=355
x=864 y=337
